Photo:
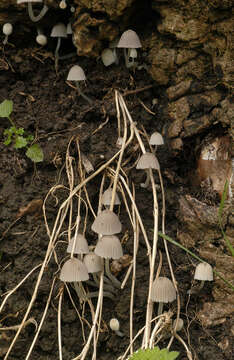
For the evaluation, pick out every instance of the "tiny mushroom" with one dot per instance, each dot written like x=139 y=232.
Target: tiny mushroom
x=130 y=42
x=30 y=9
x=163 y=291
x=108 y=57
x=107 y=223
x=203 y=272
x=63 y=4
x=80 y=246
x=7 y=30
x=77 y=74
x=156 y=139
x=109 y=247
x=58 y=31
x=41 y=39
x=93 y=262
x=107 y=196
x=147 y=161
x=74 y=270
x=114 y=325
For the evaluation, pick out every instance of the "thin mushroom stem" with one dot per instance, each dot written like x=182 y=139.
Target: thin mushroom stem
x=56 y=53
x=95 y=284
x=160 y=308
x=5 y=41
x=113 y=279
x=40 y=15
x=127 y=63
x=82 y=94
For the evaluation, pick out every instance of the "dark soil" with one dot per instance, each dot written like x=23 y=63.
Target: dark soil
x=47 y=107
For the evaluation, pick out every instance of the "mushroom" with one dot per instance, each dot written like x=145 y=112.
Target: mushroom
x=129 y=41
x=203 y=272
x=7 y=30
x=107 y=223
x=163 y=291
x=81 y=245
x=107 y=196
x=30 y=9
x=108 y=57
x=114 y=325
x=77 y=74
x=109 y=247
x=93 y=262
x=156 y=139
x=58 y=31
x=74 y=270
x=147 y=161
x=63 y=4
x=41 y=39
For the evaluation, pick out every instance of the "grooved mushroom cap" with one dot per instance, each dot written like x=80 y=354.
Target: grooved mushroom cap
x=59 y=30
x=107 y=223
x=76 y=73
x=106 y=197
x=156 y=139
x=74 y=270
x=204 y=272
x=148 y=161
x=93 y=262
x=109 y=247
x=163 y=290
x=129 y=39
x=81 y=246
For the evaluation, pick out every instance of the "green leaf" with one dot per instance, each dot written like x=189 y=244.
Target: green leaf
x=7 y=141
x=20 y=142
x=154 y=354
x=30 y=138
x=20 y=131
x=6 y=108
x=35 y=153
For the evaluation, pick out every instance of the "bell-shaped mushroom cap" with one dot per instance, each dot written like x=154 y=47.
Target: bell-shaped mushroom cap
x=76 y=73
x=81 y=245
x=74 y=270
x=148 y=161
x=156 y=139
x=108 y=57
x=114 y=324
x=109 y=247
x=41 y=39
x=59 y=30
x=163 y=290
x=204 y=272
x=107 y=223
x=129 y=39
x=93 y=262
x=107 y=196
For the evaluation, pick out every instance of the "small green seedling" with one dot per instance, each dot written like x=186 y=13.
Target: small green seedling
x=17 y=136
x=154 y=354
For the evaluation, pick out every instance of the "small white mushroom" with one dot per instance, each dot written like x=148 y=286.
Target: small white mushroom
x=74 y=270
x=147 y=161
x=109 y=247
x=114 y=325
x=107 y=223
x=63 y=4
x=7 y=30
x=59 y=31
x=107 y=196
x=156 y=139
x=77 y=74
x=129 y=41
x=108 y=57
x=163 y=291
x=80 y=246
x=41 y=39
